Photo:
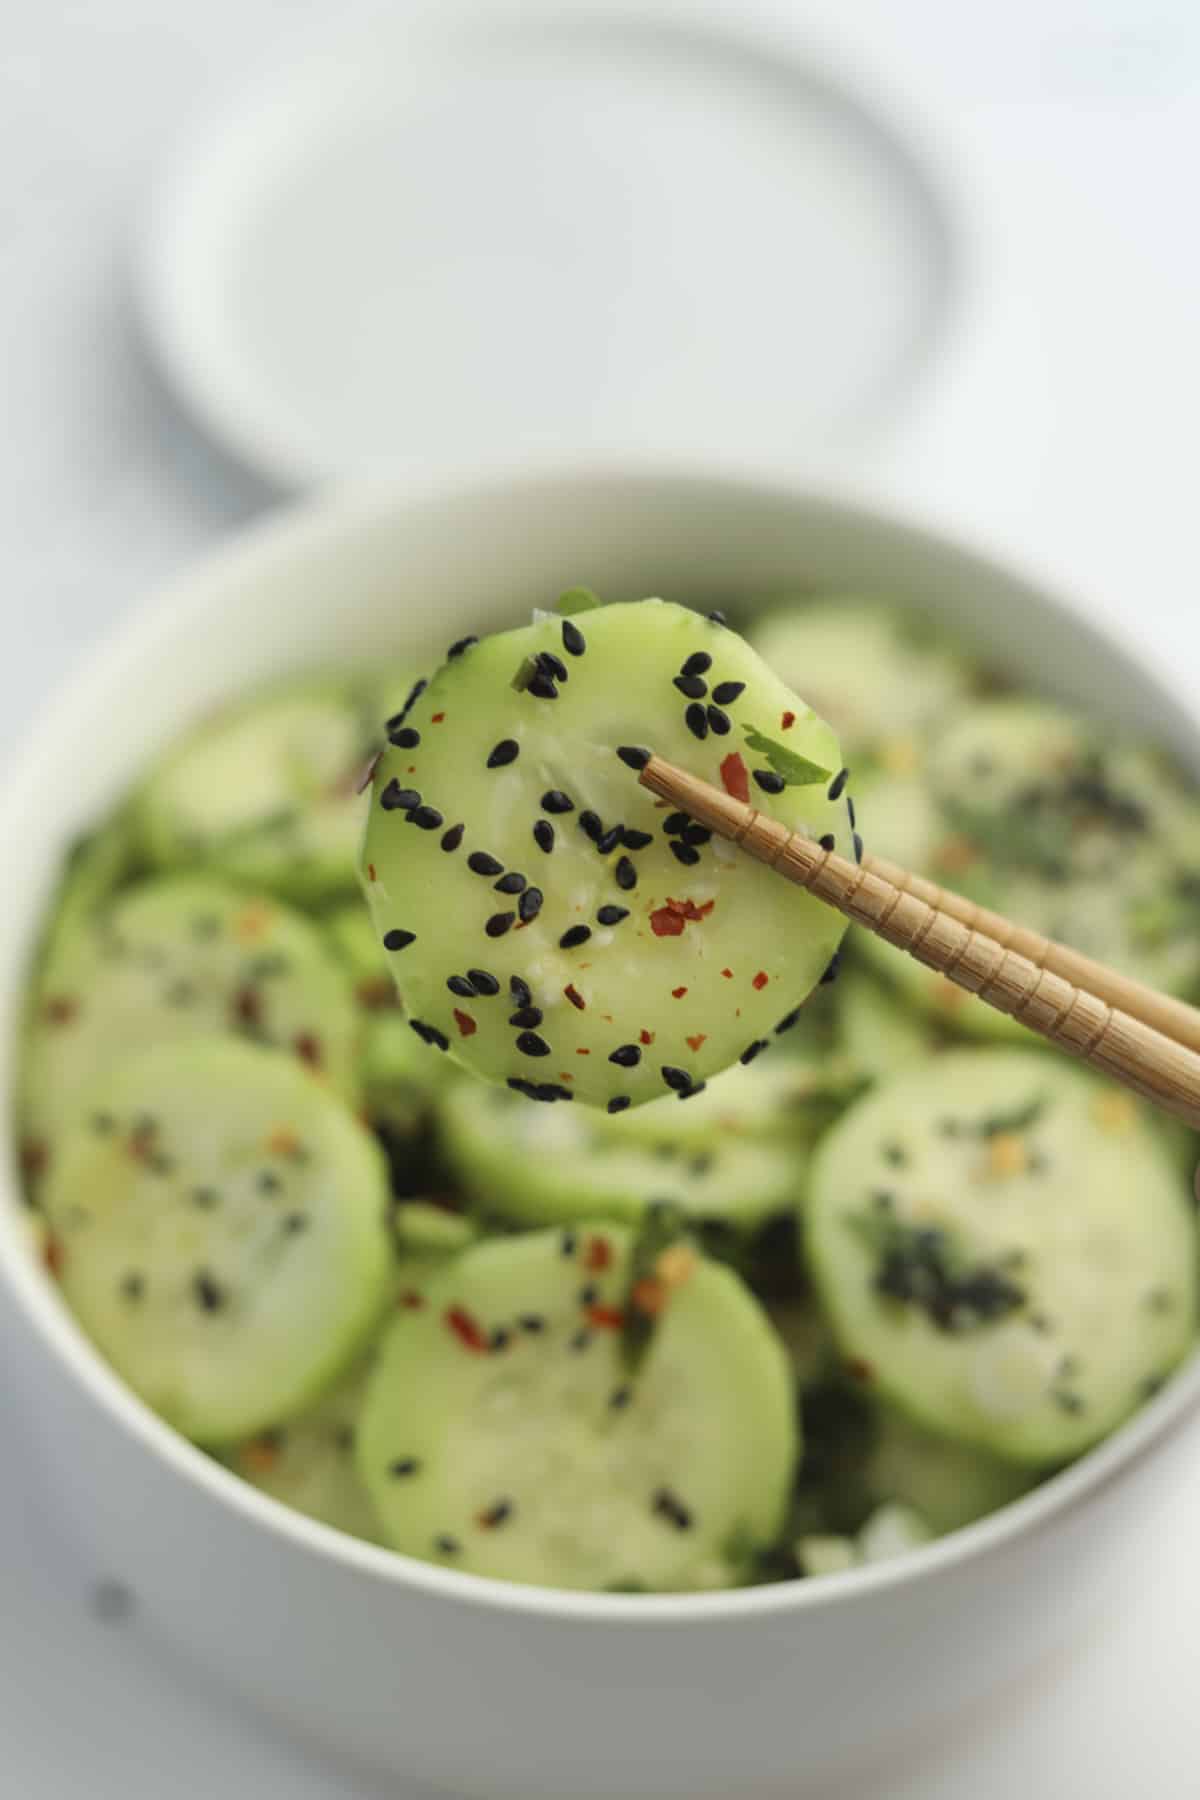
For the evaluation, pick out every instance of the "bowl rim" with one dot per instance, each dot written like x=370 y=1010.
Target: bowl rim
x=284 y=536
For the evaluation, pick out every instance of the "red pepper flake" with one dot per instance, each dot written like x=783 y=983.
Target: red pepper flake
x=787 y=721
x=34 y=1157
x=260 y=1455
x=563 y=1076
x=735 y=776
x=411 y=1301
x=649 y=1296
x=574 y=996
x=605 y=1318
x=728 y=974
x=598 y=1254
x=53 y=1256
x=694 y=1043
x=861 y=1371
x=583 y=1053
x=377 y=993
x=607 y=1017
x=60 y=1009
x=467 y=1026
x=436 y=718
x=371 y=876
x=308 y=1049
x=283 y=1141
x=678 y=993
x=666 y=922
x=368 y=775
x=247 y=1006
x=646 y=1037
x=491 y=1516
x=467 y=1330
x=252 y=922
x=687 y=909
x=141 y=1144
x=760 y=980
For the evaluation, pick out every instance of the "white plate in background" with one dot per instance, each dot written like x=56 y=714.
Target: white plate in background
x=480 y=234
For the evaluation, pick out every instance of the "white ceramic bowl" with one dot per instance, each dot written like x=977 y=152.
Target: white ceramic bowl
x=489 y=1689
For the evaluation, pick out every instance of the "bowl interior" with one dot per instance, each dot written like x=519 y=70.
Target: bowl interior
x=398 y=575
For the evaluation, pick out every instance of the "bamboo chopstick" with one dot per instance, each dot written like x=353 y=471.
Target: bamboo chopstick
x=1145 y=1040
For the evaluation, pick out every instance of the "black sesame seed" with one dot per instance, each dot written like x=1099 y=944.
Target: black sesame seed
x=580 y=1341
x=679 y=1079
x=592 y=825
x=698 y=663
x=526 y=1018
x=543 y=835
x=694 y=686
x=429 y=1034
x=133 y=1286
x=530 y=1044
x=499 y=923
x=458 y=984
x=520 y=1086
x=550 y=1090
x=446 y=1545
x=295 y=1222
x=483 y=983
x=837 y=785
x=407 y=738
x=752 y=1050
x=675 y=822
x=457 y=648
x=718 y=722
x=414 y=694
x=427 y=818
x=395 y=798
x=499 y=1338
x=404 y=1465
x=850 y=812
x=398 y=940
x=627 y=1056
x=610 y=839
x=769 y=781
x=575 y=935
x=896 y=1155
x=828 y=841
x=555 y=801
x=519 y=988
x=690 y=1093
x=684 y=853
x=268 y=1182
x=589 y=1294
x=618 y=1103
x=532 y=1322
x=542 y=688
x=209 y=1294
x=858 y=848
x=726 y=692
x=633 y=757
x=481 y=863
x=568 y=1243
x=696 y=834
x=453 y=838
x=696 y=720
x=553 y=667
x=717 y=617
x=831 y=969
x=573 y=639
x=496 y=1514
x=625 y=874
x=205 y=1198
x=512 y=883
x=612 y=915
x=620 y=1397
x=636 y=840
x=668 y=1506
x=530 y=904
x=506 y=751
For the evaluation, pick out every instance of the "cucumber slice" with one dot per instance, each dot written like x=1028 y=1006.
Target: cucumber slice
x=400 y=1074
x=265 y=791
x=502 y=1432
x=550 y=925
x=1003 y=1250
x=176 y=959
x=309 y=1465
x=538 y=1166
x=878 y=1034
x=946 y=1484
x=220 y=1223
x=876 y=671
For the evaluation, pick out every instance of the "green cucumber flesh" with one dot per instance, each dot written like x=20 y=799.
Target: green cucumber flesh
x=596 y=968
x=503 y=1434
x=1003 y=1250
x=220 y=1228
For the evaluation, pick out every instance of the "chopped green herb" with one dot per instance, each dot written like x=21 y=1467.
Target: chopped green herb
x=794 y=770
x=923 y=1266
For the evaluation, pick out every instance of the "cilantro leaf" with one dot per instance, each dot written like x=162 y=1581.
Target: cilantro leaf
x=796 y=770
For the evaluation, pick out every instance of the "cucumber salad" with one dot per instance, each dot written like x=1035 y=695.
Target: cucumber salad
x=475 y=1155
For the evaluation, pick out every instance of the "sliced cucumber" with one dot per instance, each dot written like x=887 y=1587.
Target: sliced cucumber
x=502 y=1432
x=176 y=959
x=946 y=1484
x=551 y=925
x=878 y=1033
x=265 y=790
x=1003 y=1249
x=877 y=672
x=537 y=1166
x=220 y=1223
x=309 y=1465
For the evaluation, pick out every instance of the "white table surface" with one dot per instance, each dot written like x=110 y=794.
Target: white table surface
x=1060 y=423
